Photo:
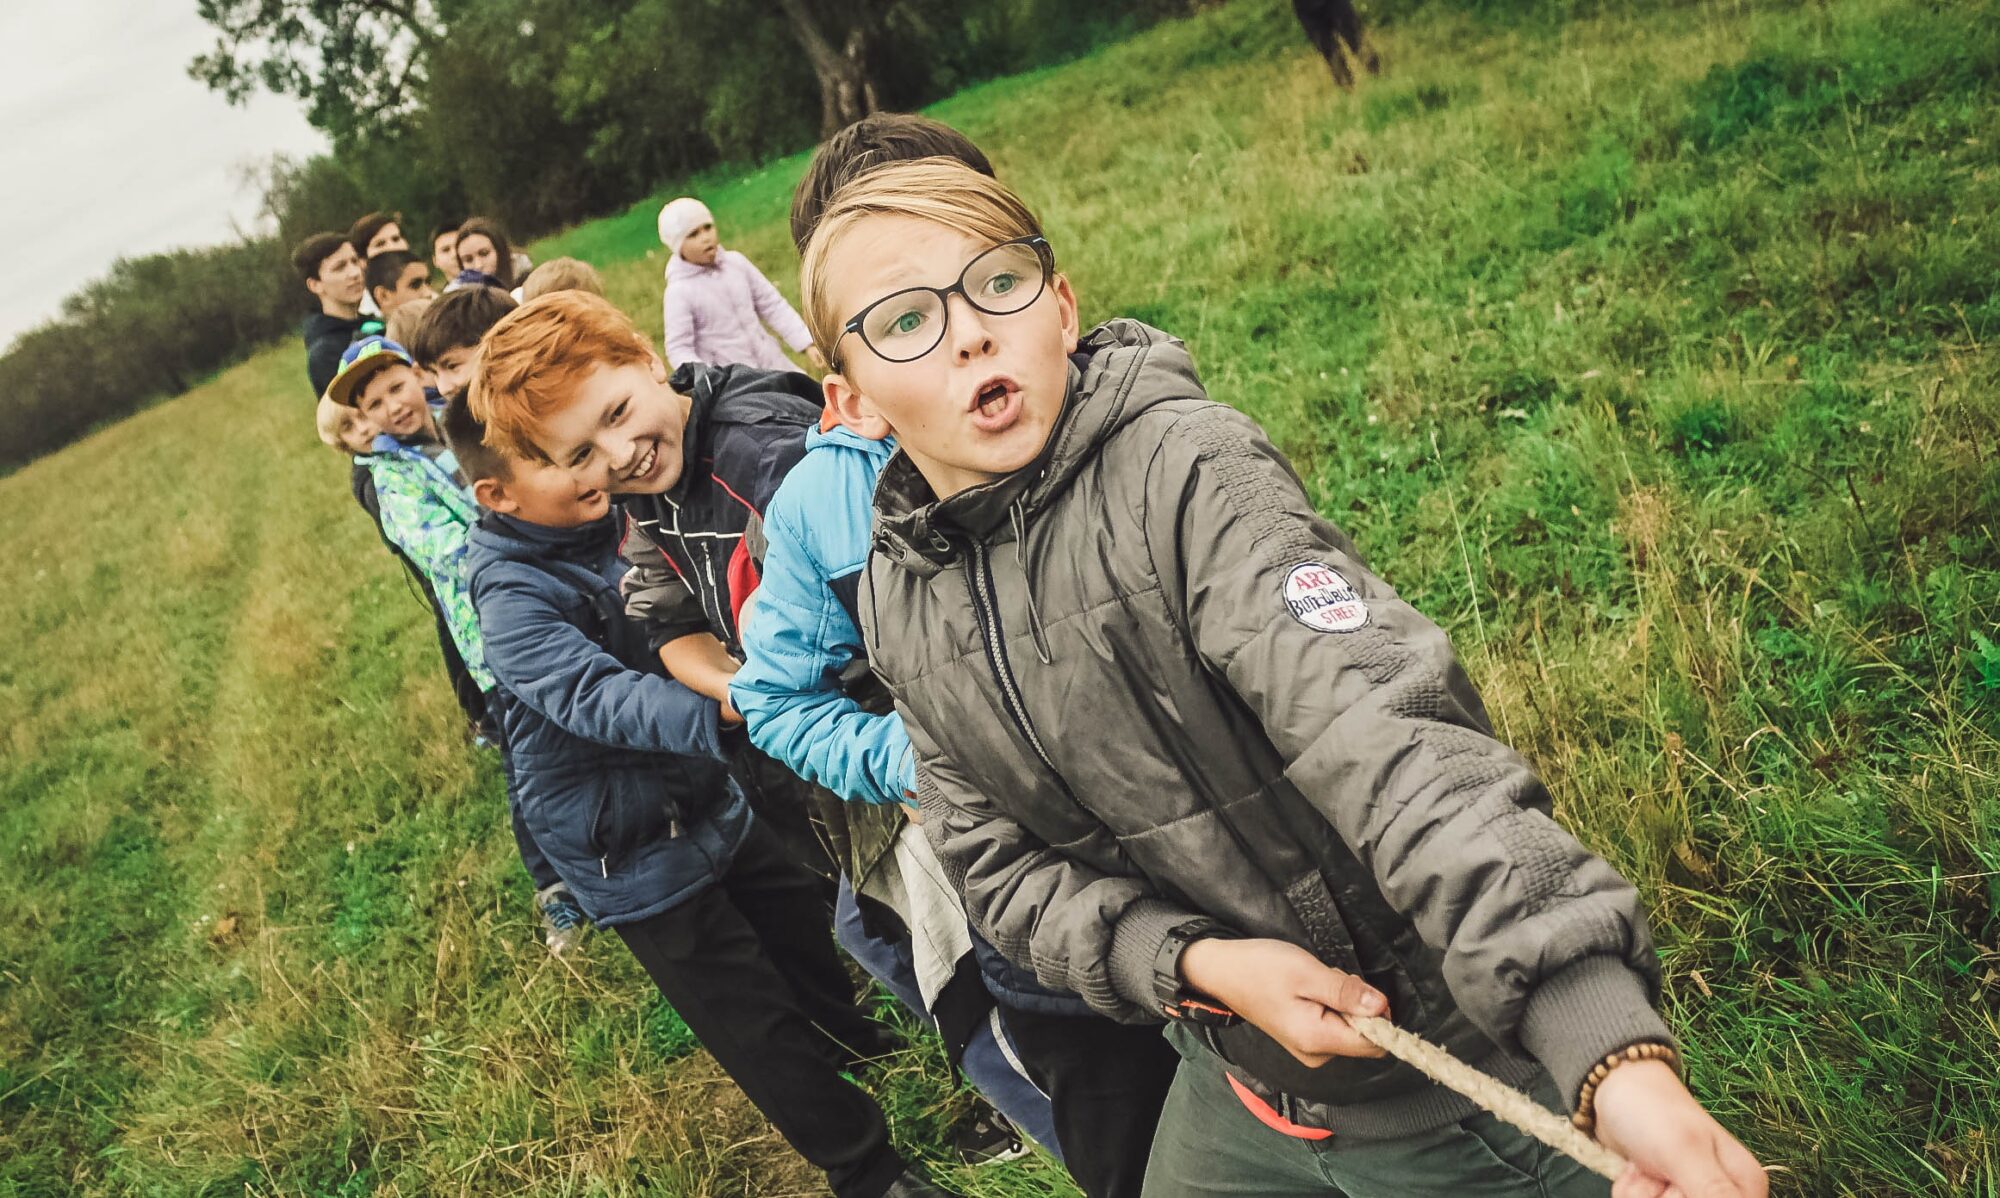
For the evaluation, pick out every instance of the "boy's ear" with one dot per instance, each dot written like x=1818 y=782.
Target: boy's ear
x=658 y=367
x=1066 y=305
x=853 y=409
x=491 y=494
x=316 y=287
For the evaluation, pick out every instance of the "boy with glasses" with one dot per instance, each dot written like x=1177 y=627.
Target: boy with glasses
x=808 y=700
x=1187 y=756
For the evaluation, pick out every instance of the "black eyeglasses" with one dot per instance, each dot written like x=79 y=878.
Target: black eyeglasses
x=910 y=323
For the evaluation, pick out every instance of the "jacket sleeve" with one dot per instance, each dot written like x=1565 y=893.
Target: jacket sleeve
x=789 y=688
x=1094 y=934
x=655 y=596
x=774 y=311
x=548 y=663
x=1545 y=946
x=677 y=314
x=434 y=542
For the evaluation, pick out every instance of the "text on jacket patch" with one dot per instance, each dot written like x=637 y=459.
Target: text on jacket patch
x=1318 y=597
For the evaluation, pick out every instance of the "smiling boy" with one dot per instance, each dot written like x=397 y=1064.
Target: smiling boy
x=693 y=457
x=1287 y=805
x=621 y=776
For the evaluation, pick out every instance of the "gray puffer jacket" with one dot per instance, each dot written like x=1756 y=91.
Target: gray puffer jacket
x=1148 y=683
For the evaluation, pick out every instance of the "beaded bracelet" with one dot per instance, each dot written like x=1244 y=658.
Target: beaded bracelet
x=1585 y=1117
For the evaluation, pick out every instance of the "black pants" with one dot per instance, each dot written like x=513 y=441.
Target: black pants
x=1106 y=1082
x=750 y=966
x=471 y=699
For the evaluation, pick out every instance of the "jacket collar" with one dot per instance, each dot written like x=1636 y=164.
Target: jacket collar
x=702 y=385
x=680 y=268
x=512 y=536
x=841 y=437
x=1121 y=368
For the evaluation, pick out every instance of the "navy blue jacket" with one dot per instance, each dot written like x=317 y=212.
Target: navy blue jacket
x=619 y=770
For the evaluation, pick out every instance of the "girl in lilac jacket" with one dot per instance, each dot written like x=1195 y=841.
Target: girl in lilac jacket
x=718 y=303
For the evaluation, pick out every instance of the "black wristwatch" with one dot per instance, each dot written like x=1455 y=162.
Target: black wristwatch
x=1179 y=1001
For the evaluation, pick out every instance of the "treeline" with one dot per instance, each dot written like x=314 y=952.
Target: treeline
x=543 y=112
x=152 y=327
x=538 y=112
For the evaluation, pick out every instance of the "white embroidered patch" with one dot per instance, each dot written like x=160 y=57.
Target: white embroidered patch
x=1318 y=597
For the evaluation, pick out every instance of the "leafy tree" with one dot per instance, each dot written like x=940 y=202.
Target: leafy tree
x=358 y=64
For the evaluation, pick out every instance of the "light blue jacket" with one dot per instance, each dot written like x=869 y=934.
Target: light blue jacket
x=804 y=629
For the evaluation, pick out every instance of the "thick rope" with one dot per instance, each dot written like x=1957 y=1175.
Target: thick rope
x=1497 y=1098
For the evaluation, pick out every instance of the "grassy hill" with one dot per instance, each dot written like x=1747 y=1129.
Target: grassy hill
x=1651 y=351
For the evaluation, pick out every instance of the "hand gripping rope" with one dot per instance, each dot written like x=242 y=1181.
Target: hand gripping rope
x=1495 y=1097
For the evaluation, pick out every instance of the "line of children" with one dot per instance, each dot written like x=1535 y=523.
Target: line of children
x=1288 y=806
x=329 y=264
x=424 y=510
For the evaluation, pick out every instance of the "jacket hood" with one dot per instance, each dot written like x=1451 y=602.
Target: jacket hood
x=498 y=538
x=842 y=437
x=1126 y=368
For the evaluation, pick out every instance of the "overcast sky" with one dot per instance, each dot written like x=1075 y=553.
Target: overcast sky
x=108 y=149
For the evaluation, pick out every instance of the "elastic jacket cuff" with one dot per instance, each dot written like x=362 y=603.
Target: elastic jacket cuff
x=1135 y=948
x=1583 y=1013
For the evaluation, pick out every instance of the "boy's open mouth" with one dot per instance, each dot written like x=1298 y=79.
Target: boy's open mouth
x=996 y=405
x=646 y=463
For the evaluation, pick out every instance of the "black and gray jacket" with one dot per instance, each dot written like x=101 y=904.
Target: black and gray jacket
x=1147 y=683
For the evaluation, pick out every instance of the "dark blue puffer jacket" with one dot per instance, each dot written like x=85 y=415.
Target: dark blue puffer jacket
x=619 y=769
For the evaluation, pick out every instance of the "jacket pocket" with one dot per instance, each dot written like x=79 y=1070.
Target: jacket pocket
x=632 y=808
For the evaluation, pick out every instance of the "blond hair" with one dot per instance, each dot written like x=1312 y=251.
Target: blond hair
x=943 y=191
x=562 y=274
x=332 y=420
x=402 y=323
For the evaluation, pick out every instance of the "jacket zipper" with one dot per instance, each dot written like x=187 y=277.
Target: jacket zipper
x=986 y=610
x=597 y=841
x=707 y=566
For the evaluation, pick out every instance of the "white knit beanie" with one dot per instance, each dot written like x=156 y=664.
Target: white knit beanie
x=680 y=218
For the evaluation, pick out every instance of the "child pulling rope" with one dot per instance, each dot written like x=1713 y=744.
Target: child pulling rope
x=1493 y=1096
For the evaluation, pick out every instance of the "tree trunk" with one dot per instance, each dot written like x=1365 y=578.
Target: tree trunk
x=846 y=93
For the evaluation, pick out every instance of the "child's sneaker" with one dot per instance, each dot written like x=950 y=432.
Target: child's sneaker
x=913 y=1184
x=563 y=922
x=987 y=1138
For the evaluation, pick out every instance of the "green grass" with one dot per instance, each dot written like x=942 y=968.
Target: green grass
x=1650 y=351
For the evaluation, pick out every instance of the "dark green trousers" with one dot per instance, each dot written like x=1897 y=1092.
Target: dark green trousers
x=1209 y=1144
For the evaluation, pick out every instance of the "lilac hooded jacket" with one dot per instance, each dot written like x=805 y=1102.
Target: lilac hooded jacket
x=716 y=314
